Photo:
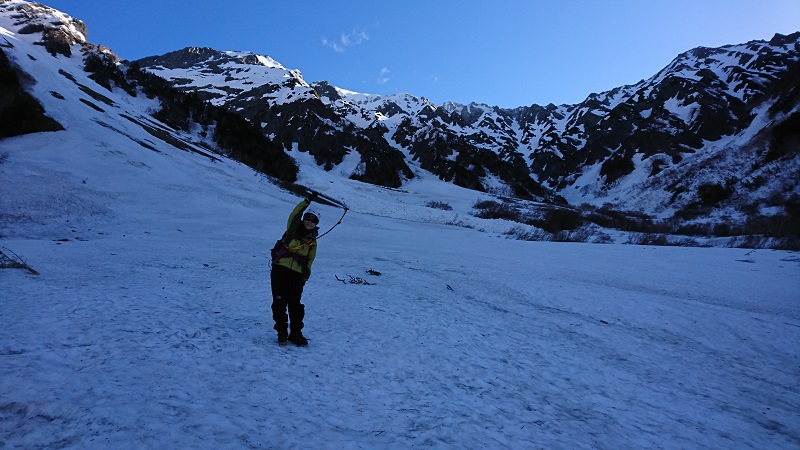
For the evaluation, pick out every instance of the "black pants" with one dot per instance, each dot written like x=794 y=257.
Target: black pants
x=287 y=288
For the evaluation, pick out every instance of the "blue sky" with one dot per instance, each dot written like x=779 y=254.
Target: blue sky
x=513 y=53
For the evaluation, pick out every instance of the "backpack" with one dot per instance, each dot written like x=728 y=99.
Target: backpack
x=279 y=251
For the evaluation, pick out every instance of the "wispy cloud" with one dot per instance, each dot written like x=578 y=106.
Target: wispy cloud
x=346 y=40
x=383 y=77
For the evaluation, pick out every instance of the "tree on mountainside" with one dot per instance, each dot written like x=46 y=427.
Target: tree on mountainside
x=20 y=113
x=234 y=135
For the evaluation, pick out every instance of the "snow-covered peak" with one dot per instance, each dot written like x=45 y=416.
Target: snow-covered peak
x=251 y=58
x=57 y=31
x=229 y=76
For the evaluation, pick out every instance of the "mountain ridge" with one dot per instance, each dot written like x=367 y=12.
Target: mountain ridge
x=702 y=96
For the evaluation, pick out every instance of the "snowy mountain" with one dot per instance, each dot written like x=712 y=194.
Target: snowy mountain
x=148 y=325
x=229 y=78
x=657 y=147
x=706 y=147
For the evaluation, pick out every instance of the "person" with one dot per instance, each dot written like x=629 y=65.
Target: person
x=292 y=258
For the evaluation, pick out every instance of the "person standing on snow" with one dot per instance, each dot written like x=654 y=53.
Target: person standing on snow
x=291 y=267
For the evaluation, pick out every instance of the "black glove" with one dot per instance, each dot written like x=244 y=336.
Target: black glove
x=312 y=195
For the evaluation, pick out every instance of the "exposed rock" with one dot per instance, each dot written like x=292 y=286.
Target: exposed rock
x=57 y=35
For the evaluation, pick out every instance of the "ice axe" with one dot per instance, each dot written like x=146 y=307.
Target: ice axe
x=318 y=196
x=313 y=195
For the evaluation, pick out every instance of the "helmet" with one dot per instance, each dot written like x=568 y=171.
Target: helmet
x=311 y=215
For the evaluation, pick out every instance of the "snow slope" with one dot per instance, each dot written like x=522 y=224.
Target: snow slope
x=149 y=326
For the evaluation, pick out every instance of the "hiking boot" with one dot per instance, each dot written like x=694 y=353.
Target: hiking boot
x=282 y=338
x=298 y=339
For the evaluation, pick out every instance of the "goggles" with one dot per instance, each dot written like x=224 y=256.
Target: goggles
x=311 y=218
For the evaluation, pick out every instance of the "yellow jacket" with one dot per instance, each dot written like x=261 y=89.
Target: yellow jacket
x=299 y=245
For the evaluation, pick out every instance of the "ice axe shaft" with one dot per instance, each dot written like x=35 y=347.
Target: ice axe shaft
x=334 y=225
